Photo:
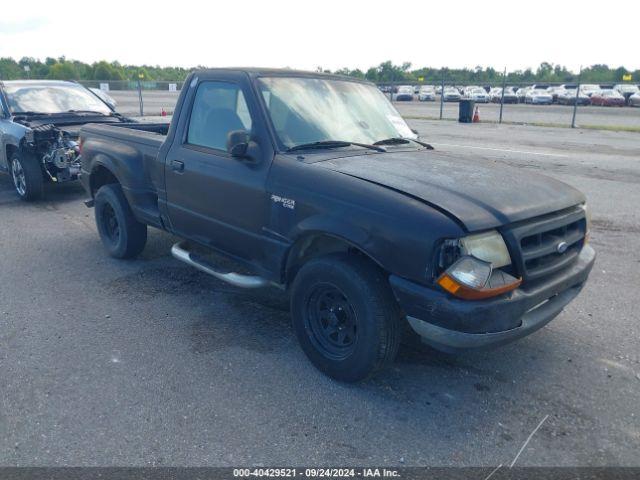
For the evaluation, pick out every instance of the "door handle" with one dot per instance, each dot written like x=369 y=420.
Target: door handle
x=177 y=166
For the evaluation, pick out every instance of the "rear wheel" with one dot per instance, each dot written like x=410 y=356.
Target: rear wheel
x=121 y=234
x=26 y=175
x=345 y=316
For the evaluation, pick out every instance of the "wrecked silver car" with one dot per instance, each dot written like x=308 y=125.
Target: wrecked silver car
x=39 y=125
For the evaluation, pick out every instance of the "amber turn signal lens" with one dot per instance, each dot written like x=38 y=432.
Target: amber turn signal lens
x=462 y=291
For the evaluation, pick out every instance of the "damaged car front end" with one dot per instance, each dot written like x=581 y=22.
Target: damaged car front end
x=57 y=148
x=39 y=131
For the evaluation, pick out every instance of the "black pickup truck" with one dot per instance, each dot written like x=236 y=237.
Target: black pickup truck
x=315 y=184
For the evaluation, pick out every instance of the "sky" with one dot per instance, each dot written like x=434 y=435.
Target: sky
x=329 y=34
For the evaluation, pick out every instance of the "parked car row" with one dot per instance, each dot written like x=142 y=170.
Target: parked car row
x=537 y=94
x=508 y=97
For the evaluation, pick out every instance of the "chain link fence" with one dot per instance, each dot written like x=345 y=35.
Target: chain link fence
x=151 y=98
x=124 y=85
x=563 y=107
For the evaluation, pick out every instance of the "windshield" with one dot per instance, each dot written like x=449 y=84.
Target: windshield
x=307 y=110
x=51 y=98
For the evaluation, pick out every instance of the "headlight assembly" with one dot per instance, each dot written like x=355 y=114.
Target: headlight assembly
x=488 y=246
x=476 y=273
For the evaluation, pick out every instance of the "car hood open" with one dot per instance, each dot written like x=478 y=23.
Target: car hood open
x=478 y=194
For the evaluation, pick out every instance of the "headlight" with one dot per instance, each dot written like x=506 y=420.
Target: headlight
x=470 y=272
x=488 y=246
x=476 y=274
x=473 y=279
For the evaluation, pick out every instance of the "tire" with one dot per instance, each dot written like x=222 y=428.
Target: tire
x=345 y=316
x=26 y=176
x=121 y=234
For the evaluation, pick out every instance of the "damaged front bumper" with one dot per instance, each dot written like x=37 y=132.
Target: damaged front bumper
x=452 y=325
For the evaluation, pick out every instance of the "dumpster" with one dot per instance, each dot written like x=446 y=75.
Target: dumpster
x=465 y=114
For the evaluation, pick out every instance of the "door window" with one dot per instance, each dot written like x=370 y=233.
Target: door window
x=218 y=108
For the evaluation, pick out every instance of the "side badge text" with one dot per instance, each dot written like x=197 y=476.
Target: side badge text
x=285 y=202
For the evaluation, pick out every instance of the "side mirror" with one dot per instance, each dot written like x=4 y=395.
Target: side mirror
x=238 y=143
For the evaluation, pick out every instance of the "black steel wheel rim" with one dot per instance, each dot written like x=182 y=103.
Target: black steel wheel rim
x=331 y=322
x=110 y=223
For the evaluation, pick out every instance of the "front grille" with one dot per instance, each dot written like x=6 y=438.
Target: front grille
x=534 y=244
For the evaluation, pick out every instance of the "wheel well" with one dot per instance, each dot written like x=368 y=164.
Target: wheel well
x=101 y=176
x=314 y=246
x=11 y=149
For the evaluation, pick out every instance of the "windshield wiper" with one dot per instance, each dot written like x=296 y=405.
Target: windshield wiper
x=334 y=144
x=86 y=111
x=392 y=141
x=402 y=140
x=16 y=114
x=55 y=114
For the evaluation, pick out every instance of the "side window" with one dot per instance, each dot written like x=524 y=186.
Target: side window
x=218 y=108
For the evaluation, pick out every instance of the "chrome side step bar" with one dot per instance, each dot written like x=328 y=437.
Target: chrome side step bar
x=180 y=252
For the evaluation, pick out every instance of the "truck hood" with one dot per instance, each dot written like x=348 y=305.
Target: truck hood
x=478 y=194
x=67 y=121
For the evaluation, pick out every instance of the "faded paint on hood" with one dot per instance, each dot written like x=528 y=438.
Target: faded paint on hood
x=478 y=194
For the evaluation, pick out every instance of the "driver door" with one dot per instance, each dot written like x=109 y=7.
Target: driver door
x=214 y=198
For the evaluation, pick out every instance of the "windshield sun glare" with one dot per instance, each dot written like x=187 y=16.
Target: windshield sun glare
x=307 y=110
x=52 y=98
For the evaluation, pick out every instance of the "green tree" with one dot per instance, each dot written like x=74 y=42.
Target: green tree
x=63 y=71
x=106 y=71
x=9 y=69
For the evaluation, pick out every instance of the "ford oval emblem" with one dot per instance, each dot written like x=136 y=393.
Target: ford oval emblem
x=562 y=247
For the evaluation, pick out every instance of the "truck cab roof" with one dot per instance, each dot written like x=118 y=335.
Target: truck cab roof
x=263 y=72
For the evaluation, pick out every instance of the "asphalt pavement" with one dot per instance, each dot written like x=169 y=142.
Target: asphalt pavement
x=149 y=362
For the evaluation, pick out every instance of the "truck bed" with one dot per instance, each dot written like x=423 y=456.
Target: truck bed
x=160 y=128
x=130 y=151
x=152 y=134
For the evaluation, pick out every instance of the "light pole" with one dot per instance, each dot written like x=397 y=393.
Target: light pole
x=575 y=103
x=140 y=77
x=442 y=95
x=504 y=85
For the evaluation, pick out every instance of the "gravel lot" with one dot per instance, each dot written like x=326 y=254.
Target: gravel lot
x=149 y=362
x=627 y=117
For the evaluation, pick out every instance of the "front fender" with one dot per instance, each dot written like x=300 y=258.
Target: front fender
x=12 y=136
x=337 y=227
x=344 y=232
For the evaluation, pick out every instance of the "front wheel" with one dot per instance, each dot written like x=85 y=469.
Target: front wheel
x=345 y=316
x=122 y=235
x=26 y=175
